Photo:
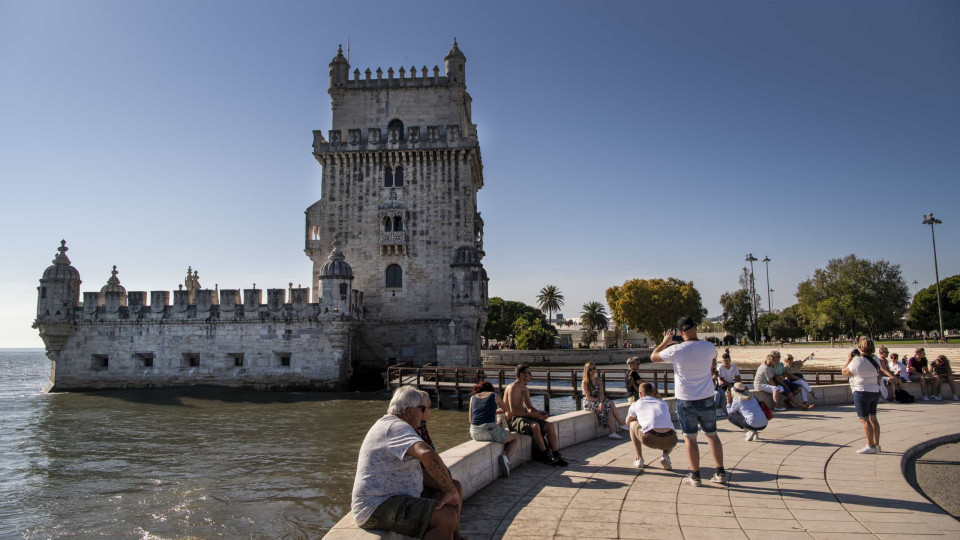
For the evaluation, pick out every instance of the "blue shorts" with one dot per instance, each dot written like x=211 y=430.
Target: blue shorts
x=866 y=403
x=702 y=412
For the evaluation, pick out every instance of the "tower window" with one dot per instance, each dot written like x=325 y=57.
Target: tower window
x=283 y=359
x=396 y=125
x=43 y=292
x=99 y=362
x=144 y=360
x=398 y=177
x=398 y=224
x=235 y=359
x=343 y=290
x=388 y=177
x=387 y=225
x=394 y=276
x=189 y=360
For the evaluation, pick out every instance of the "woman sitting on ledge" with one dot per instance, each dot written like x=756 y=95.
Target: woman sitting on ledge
x=595 y=400
x=484 y=406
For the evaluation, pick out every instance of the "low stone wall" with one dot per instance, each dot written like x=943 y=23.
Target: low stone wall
x=563 y=357
x=474 y=464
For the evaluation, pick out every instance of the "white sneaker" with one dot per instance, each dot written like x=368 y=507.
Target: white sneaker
x=638 y=463
x=878 y=448
x=615 y=435
x=665 y=461
x=748 y=436
x=504 y=466
x=938 y=397
x=867 y=450
x=624 y=427
x=956 y=397
x=756 y=436
x=926 y=398
x=779 y=408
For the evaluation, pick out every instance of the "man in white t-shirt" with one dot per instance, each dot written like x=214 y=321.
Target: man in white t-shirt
x=650 y=424
x=693 y=361
x=727 y=375
x=389 y=480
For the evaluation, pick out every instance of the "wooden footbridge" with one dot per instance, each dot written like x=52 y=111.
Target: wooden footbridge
x=550 y=382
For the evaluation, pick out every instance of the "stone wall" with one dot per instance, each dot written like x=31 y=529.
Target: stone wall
x=275 y=355
x=563 y=357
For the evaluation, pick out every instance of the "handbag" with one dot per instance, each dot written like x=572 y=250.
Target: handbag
x=766 y=411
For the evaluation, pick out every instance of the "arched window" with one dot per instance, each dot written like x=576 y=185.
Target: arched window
x=394 y=276
x=398 y=224
x=343 y=289
x=398 y=178
x=387 y=225
x=396 y=125
x=388 y=177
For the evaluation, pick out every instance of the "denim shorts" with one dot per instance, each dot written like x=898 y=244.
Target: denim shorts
x=866 y=403
x=692 y=413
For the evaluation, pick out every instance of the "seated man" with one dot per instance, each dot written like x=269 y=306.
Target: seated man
x=919 y=371
x=386 y=490
x=727 y=375
x=650 y=424
x=526 y=420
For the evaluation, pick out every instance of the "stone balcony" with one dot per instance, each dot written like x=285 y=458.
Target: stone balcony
x=393 y=243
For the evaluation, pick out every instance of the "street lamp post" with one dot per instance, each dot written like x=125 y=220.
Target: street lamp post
x=766 y=261
x=753 y=297
x=928 y=219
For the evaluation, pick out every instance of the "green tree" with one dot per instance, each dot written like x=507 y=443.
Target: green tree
x=533 y=334
x=923 y=309
x=854 y=295
x=764 y=321
x=737 y=312
x=502 y=314
x=550 y=300
x=594 y=315
x=787 y=325
x=652 y=306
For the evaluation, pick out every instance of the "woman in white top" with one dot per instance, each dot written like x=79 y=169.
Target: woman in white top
x=744 y=411
x=863 y=370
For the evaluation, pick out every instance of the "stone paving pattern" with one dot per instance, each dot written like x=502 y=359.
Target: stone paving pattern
x=802 y=480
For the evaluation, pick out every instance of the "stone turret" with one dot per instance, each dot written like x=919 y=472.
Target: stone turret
x=336 y=284
x=113 y=290
x=339 y=70
x=455 y=62
x=59 y=290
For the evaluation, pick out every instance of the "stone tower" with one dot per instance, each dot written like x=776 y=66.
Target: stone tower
x=57 y=297
x=401 y=170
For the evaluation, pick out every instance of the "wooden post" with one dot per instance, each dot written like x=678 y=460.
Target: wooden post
x=546 y=399
x=419 y=373
x=576 y=393
x=456 y=388
x=500 y=376
x=388 y=378
x=436 y=380
x=603 y=382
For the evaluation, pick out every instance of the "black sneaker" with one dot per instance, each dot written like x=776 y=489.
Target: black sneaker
x=559 y=462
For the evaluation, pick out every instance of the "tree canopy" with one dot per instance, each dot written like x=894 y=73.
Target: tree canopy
x=594 y=316
x=764 y=321
x=652 y=306
x=527 y=326
x=787 y=325
x=550 y=300
x=853 y=295
x=923 y=310
x=737 y=311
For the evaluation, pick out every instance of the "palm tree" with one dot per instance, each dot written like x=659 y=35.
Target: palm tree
x=594 y=316
x=550 y=300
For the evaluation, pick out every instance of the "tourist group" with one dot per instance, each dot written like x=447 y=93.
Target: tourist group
x=392 y=493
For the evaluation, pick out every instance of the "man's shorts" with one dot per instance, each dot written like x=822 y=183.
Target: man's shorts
x=403 y=514
x=916 y=377
x=866 y=403
x=523 y=425
x=700 y=411
x=654 y=439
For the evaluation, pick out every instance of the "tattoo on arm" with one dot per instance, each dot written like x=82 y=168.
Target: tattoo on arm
x=438 y=471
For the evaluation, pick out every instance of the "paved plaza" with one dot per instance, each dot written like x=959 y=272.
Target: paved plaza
x=802 y=480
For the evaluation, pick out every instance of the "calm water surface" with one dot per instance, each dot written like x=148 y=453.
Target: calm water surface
x=178 y=463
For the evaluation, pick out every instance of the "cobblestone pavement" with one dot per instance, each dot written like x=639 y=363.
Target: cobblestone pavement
x=802 y=480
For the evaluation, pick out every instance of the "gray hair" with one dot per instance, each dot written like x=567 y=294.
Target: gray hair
x=404 y=398
x=425 y=398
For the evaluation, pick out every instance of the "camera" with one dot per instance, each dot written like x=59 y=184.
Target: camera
x=856 y=352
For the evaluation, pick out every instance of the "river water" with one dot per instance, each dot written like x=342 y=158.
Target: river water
x=182 y=463
x=202 y=462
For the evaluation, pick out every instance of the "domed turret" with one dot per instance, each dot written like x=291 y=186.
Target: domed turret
x=466 y=256
x=339 y=70
x=113 y=283
x=455 y=63
x=59 y=290
x=113 y=294
x=336 y=284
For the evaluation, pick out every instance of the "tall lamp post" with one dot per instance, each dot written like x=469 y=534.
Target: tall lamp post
x=753 y=297
x=928 y=219
x=766 y=260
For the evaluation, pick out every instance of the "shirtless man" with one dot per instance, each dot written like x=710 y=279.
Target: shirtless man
x=524 y=419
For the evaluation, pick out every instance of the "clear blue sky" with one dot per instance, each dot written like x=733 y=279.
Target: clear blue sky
x=620 y=140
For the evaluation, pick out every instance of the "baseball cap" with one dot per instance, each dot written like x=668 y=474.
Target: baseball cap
x=686 y=323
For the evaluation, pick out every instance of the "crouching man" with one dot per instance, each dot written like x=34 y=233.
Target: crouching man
x=386 y=490
x=650 y=424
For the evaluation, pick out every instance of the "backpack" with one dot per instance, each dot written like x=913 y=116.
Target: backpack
x=903 y=396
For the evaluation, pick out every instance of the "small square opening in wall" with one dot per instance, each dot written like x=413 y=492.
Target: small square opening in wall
x=283 y=359
x=144 y=360
x=190 y=360
x=99 y=362
x=235 y=359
